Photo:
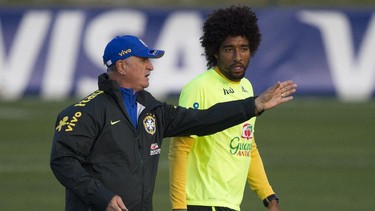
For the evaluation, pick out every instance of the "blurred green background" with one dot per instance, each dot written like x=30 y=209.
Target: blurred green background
x=319 y=155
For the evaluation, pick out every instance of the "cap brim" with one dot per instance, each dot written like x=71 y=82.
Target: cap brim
x=150 y=53
x=156 y=53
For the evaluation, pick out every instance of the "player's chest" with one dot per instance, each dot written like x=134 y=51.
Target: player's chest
x=233 y=92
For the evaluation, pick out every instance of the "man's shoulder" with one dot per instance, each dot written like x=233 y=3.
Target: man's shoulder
x=94 y=99
x=202 y=79
x=246 y=82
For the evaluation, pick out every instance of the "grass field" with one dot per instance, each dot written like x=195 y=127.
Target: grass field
x=319 y=155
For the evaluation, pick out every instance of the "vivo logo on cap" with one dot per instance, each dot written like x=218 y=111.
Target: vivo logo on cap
x=123 y=52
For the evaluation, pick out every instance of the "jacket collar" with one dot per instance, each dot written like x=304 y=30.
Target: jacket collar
x=113 y=89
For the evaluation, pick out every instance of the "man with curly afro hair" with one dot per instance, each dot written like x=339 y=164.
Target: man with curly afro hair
x=210 y=172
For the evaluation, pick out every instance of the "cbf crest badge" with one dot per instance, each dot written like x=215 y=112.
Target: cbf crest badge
x=247 y=131
x=150 y=124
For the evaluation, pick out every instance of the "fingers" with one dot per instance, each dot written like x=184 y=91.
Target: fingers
x=287 y=88
x=288 y=92
x=115 y=204
x=286 y=99
x=275 y=86
x=279 y=93
x=287 y=85
x=121 y=204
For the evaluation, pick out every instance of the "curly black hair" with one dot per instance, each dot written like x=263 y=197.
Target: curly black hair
x=232 y=21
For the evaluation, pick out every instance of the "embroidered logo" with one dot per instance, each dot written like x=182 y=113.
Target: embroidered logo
x=87 y=99
x=247 y=131
x=228 y=91
x=243 y=89
x=69 y=124
x=115 y=122
x=149 y=124
x=155 y=150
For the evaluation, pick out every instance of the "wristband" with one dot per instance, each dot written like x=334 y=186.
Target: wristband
x=269 y=198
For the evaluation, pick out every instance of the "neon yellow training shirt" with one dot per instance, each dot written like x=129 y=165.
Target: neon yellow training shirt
x=218 y=165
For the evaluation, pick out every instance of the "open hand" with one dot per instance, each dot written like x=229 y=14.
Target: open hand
x=275 y=95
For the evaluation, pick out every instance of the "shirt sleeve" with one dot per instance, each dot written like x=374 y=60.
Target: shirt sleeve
x=179 y=150
x=257 y=177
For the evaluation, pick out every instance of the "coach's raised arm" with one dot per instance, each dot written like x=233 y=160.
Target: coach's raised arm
x=227 y=114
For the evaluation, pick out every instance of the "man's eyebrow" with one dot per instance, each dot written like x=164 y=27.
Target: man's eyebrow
x=230 y=45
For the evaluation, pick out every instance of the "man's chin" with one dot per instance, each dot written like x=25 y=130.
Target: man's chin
x=238 y=76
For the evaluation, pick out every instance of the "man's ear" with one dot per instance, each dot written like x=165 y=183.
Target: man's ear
x=121 y=67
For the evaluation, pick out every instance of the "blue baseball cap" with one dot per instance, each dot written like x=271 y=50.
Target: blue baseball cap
x=122 y=47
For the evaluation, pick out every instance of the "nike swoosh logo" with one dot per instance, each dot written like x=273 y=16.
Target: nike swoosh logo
x=115 y=122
